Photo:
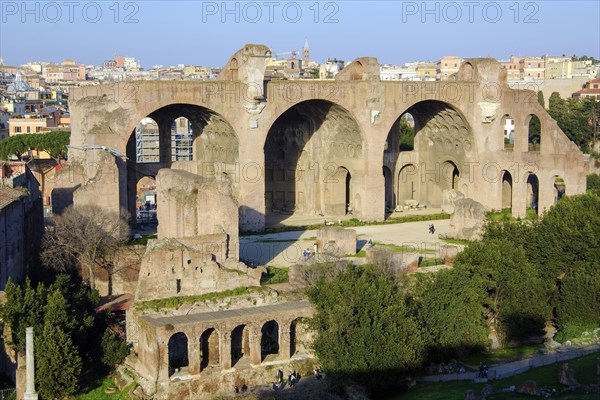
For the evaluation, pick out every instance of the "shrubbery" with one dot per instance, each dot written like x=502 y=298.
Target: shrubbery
x=67 y=332
x=522 y=275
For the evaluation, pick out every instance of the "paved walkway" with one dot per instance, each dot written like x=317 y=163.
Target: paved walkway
x=505 y=370
x=285 y=248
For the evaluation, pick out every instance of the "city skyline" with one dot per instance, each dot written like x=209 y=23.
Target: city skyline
x=95 y=31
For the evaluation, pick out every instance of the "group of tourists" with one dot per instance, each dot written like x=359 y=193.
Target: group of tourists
x=293 y=378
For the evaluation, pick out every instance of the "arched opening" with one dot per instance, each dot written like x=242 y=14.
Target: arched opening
x=209 y=349
x=338 y=189
x=444 y=179
x=178 y=353
x=147 y=143
x=182 y=137
x=389 y=190
x=508 y=132
x=532 y=192
x=194 y=138
x=299 y=337
x=507 y=185
x=269 y=340
x=559 y=188
x=407 y=184
x=240 y=344
x=145 y=203
x=435 y=132
x=315 y=137
x=534 y=133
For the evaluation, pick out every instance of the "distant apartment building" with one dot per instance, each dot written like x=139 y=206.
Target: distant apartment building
x=67 y=71
x=330 y=68
x=513 y=68
x=447 y=66
x=426 y=71
x=564 y=67
x=39 y=122
x=388 y=72
x=533 y=68
x=590 y=90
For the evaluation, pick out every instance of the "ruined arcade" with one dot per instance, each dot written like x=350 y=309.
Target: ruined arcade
x=325 y=147
x=300 y=147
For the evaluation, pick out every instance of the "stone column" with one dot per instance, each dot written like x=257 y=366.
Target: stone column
x=194 y=356
x=519 y=197
x=225 y=350
x=546 y=194
x=255 y=356
x=30 y=393
x=285 y=341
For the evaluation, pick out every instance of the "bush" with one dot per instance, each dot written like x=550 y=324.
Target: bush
x=449 y=306
x=578 y=299
x=114 y=349
x=366 y=332
x=516 y=298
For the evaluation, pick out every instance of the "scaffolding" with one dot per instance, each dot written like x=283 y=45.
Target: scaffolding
x=147 y=141
x=181 y=140
x=147 y=144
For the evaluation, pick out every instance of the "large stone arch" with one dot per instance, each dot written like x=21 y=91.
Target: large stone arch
x=442 y=134
x=303 y=149
x=215 y=147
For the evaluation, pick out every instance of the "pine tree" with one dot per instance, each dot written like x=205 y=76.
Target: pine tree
x=58 y=363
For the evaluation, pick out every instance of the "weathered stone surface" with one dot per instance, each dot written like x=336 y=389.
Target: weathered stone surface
x=449 y=198
x=566 y=375
x=470 y=395
x=191 y=205
x=191 y=266
x=529 y=387
x=467 y=220
x=336 y=240
x=397 y=262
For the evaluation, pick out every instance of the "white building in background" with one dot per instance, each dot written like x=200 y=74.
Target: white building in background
x=331 y=68
x=390 y=72
x=509 y=129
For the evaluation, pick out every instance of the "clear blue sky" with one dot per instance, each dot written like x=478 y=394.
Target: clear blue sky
x=205 y=33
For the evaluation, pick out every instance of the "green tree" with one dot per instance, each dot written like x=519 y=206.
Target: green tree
x=54 y=143
x=114 y=349
x=365 y=329
x=24 y=307
x=574 y=117
x=407 y=136
x=540 y=97
x=578 y=301
x=516 y=297
x=450 y=309
x=58 y=363
x=568 y=233
x=593 y=183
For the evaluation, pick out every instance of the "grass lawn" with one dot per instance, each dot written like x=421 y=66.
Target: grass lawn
x=98 y=393
x=274 y=275
x=547 y=377
x=506 y=355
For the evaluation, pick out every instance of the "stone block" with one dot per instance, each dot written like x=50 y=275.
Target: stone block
x=467 y=220
x=336 y=241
